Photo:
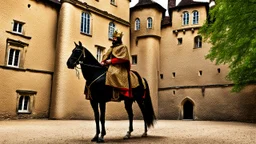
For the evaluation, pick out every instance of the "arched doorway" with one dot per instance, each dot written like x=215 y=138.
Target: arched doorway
x=188 y=110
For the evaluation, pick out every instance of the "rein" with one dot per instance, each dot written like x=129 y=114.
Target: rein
x=94 y=66
x=82 y=63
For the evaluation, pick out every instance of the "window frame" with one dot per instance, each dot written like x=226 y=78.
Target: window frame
x=198 y=42
x=195 y=19
x=86 y=21
x=15 y=45
x=19 y=27
x=111 y=29
x=137 y=24
x=13 y=58
x=23 y=104
x=149 y=23
x=185 y=18
x=99 y=49
x=23 y=94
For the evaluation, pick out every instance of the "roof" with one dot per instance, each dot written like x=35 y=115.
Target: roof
x=148 y=3
x=185 y=3
x=188 y=2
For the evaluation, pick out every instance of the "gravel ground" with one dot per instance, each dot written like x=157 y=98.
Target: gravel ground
x=164 y=132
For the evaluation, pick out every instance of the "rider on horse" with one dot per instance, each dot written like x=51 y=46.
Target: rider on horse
x=117 y=59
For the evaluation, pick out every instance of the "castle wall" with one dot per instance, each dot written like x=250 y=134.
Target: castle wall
x=188 y=77
x=215 y=104
x=36 y=42
x=68 y=91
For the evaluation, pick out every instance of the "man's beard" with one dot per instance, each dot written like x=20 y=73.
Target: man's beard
x=117 y=42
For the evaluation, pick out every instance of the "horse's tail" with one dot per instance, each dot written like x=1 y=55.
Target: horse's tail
x=149 y=114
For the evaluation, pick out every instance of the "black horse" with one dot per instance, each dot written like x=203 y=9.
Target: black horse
x=95 y=75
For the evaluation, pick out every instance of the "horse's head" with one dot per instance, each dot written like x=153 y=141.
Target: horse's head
x=77 y=55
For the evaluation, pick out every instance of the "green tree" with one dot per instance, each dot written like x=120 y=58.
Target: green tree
x=231 y=29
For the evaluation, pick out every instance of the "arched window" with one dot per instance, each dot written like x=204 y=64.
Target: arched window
x=86 y=23
x=149 y=23
x=198 y=42
x=111 y=29
x=195 y=17
x=185 y=18
x=137 y=24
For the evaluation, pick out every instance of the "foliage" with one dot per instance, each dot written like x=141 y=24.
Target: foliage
x=231 y=29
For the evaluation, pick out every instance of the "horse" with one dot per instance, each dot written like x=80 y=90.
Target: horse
x=95 y=75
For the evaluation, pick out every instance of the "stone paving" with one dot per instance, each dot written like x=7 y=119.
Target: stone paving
x=164 y=132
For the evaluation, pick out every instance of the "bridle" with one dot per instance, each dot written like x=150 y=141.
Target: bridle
x=79 y=61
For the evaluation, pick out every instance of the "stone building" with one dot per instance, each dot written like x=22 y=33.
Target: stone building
x=38 y=36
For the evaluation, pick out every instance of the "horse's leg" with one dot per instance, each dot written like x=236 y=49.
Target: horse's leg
x=102 y=120
x=128 y=107
x=142 y=108
x=96 y=118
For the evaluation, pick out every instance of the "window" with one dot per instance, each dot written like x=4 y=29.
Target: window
x=179 y=41
x=200 y=73
x=113 y=2
x=25 y=101
x=14 y=53
x=137 y=24
x=111 y=29
x=17 y=27
x=218 y=70
x=13 y=57
x=185 y=18
x=149 y=23
x=198 y=42
x=100 y=50
x=134 y=59
x=173 y=92
x=86 y=23
x=161 y=76
x=195 y=17
x=173 y=75
x=24 y=104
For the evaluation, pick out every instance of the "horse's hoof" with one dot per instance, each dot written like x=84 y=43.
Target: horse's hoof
x=94 y=139
x=144 y=135
x=100 y=140
x=127 y=136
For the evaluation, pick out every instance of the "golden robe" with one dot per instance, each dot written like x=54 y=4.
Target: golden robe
x=117 y=74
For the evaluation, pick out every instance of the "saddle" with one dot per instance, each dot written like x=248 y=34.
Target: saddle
x=138 y=87
x=137 y=91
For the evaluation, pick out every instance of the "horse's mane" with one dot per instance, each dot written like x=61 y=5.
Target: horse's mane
x=91 y=58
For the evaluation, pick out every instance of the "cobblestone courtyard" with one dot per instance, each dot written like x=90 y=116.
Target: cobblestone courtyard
x=164 y=132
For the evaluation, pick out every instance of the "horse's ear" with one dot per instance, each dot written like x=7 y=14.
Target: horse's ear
x=80 y=44
x=75 y=44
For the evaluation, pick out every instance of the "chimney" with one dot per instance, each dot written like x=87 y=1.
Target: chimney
x=171 y=3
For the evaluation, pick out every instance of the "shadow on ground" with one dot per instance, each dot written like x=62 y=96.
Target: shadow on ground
x=133 y=139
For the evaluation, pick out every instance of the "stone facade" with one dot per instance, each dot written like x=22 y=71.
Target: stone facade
x=37 y=38
x=187 y=85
